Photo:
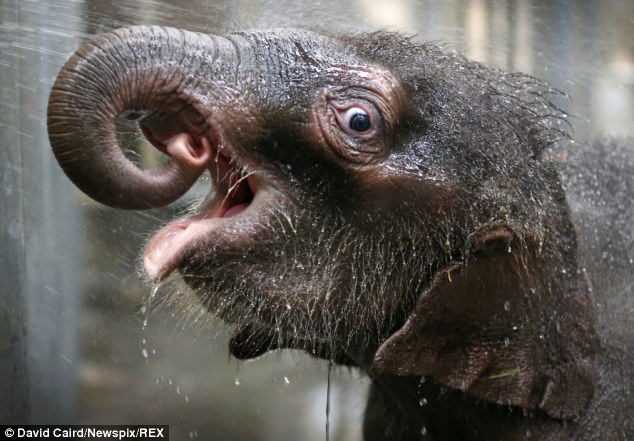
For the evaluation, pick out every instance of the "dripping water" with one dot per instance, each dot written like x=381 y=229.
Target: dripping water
x=148 y=305
x=146 y=312
x=328 y=400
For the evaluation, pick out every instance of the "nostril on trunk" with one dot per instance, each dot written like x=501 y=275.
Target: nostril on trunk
x=187 y=150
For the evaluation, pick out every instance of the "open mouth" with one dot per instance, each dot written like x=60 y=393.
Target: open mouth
x=231 y=214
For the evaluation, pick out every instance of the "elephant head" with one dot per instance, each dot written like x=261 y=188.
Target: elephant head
x=375 y=201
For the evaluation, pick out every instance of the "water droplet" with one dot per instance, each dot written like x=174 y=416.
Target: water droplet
x=178 y=390
x=507 y=342
x=286 y=380
x=237 y=381
x=148 y=305
x=422 y=402
x=423 y=431
x=144 y=352
x=507 y=306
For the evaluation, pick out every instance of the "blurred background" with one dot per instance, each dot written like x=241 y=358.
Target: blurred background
x=73 y=345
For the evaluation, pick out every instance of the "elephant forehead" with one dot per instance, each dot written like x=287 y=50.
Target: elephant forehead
x=372 y=77
x=298 y=47
x=289 y=66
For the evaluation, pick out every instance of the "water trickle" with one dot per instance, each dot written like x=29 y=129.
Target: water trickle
x=145 y=310
x=148 y=305
x=328 y=401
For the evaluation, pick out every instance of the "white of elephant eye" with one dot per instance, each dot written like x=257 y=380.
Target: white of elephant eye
x=357 y=119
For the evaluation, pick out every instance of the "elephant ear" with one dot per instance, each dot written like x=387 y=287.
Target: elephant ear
x=513 y=325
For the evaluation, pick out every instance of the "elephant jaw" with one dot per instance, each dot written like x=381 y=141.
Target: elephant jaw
x=230 y=218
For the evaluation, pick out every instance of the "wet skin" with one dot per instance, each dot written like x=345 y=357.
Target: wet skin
x=375 y=201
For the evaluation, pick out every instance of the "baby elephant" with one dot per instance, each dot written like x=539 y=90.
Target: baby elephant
x=383 y=204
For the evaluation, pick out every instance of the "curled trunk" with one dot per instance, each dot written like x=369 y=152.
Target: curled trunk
x=141 y=70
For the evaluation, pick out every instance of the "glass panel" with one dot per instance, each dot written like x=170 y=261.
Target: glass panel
x=70 y=264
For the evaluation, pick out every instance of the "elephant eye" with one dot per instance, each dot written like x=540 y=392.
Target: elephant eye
x=357 y=119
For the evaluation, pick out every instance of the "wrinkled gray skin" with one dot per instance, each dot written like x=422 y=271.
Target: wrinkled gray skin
x=429 y=243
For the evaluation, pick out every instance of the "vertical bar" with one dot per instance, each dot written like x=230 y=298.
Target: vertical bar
x=47 y=34
x=14 y=377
